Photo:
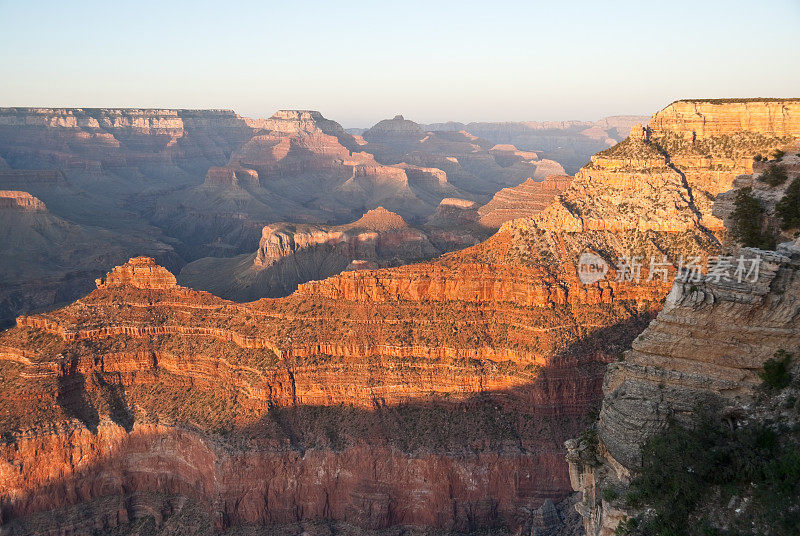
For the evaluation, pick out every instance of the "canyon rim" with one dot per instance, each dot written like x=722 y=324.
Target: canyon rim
x=399 y=269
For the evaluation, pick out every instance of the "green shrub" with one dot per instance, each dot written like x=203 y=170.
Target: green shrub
x=626 y=526
x=776 y=371
x=748 y=221
x=609 y=494
x=777 y=154
x=758 y=158
x=687 y=470
x=788 y=208
x=774 y=175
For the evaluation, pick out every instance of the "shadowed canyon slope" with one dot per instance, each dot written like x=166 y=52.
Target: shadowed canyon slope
x=435 y=395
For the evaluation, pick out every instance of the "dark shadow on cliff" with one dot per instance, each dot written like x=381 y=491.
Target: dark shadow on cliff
x=73 y=398
x=524 y=427
x=114 y=395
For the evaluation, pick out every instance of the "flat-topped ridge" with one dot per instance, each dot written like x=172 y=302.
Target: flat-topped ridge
x=139 y=272
x=731 y=100
x=707 y=118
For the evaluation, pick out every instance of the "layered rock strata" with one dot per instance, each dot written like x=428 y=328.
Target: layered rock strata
x=523 y=201
x=282 y=411
x=708 y=343
x=290 y=254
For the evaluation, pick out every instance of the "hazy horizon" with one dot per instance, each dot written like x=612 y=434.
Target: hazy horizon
x=431 y=62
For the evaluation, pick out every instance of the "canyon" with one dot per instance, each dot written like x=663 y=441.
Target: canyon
x=183 y=185
x=434 y=396
x=567 y=142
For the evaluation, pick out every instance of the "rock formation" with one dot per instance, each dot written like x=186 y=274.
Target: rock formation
x=571 y=143
x=139 y=272
x=768 y=193
x=10 y=199
x=436 y=394
x=290 y=254
x=523 y=201
x=716 y=331
x=708 y=343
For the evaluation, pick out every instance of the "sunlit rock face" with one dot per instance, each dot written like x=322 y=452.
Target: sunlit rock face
x=523 y=201
x=715 y=331
x=302 y=408
x=436 y=394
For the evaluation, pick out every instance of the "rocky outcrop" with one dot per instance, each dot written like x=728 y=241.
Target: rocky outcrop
x=523 y=201
x=290 y=254
x=378 y=234
x=139 y=272
x=767 y=194
x=397 y=129
x=708 y=343
x=11 y=199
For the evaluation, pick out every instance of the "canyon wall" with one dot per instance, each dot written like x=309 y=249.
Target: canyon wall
x=280 y=411
x=436 y=394
x=707 y=346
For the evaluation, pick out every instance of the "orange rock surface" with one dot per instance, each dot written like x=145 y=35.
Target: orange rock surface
x=299 y=408
x=523 y=201
x=436 y=394
x=11 y=199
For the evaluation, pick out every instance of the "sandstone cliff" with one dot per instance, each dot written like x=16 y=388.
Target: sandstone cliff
x=523 y=201
x=284 y=411
x=708 y=345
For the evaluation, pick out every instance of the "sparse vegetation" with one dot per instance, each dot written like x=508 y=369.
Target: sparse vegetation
x=626 y=526
x=609 y=494
x=775 y=175
x=777 y=154
x=776 y=371
x=748 y=222
x=687 y=468
x=788 y=208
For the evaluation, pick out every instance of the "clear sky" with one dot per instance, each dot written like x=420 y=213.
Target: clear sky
x=358 y=62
